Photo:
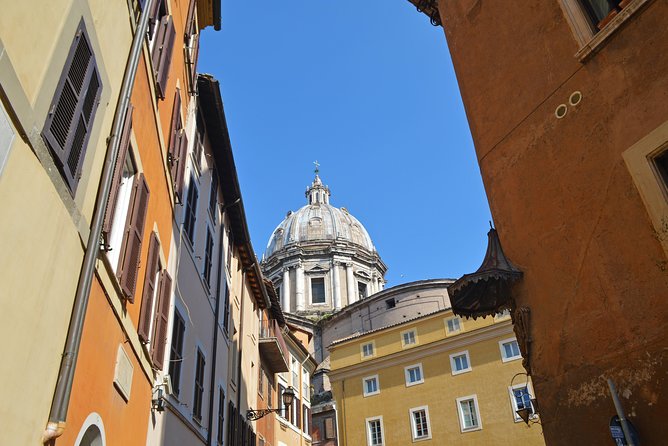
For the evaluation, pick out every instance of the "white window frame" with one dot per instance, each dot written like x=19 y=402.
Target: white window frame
x=462 y=427
x=368 y=378
x=310 y=289
x=404 y=344
x=368 y=431
x=505 y=358
x=373 y=350
x=414 y=426
x=407 y=374
x=468 y=362
x=449 y=332
x=121 y=211
x=513 y=402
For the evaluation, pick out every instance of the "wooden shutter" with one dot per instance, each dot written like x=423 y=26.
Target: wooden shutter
x=298 y=412
x=192 y=53
x=174 y=131
x=162 y=53
x=181 y=170
x=329 y=428
x=161 y=320
x=190 y=21
x=152 y=267
x=118 y=173
x=134 y=231
x=70 y=118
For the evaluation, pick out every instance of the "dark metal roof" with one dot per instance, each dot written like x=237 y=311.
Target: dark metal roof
x=211 y=104
x=486 y=291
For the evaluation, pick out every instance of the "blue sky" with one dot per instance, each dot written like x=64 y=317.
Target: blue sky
x=366 y=88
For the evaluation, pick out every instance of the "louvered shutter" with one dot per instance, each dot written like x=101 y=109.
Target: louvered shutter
x=118 y=173
x=173 y=148
x=152 y=266
x=190 y=21
x=133 y=237
x=162 y=53
x=183 y=154
x=298 y=412
x=70 y=118
x=161 y=320
x=194 y=54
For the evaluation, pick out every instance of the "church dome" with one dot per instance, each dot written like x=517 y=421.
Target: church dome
x=318 y=222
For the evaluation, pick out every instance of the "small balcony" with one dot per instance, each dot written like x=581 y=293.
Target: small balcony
x=273 y=350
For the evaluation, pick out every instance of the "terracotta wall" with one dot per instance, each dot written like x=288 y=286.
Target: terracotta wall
x=564 y=203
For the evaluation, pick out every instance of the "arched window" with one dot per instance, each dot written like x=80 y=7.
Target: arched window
x=92 y=432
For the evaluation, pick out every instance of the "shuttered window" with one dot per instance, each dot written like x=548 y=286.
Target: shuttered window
x=150 y=286
x=162 y=53
x=199 y=386
x=176 y=351
x=213 y=196
x=191 y=45
x=329 y=428
x=178 y=147
x=118 y=176
x=226 y=316
x=208 y=258
x=70 y=118
x=159 y=338
x=221 y=415
x=132 y=240
x=191 y=212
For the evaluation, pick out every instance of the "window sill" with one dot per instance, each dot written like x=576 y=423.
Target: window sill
x=600 y=38
x=460 y=372
x=511 y=359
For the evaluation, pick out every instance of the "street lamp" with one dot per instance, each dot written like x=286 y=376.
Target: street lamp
x=288 y=397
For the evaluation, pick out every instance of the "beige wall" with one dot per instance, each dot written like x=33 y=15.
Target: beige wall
x=44 y=226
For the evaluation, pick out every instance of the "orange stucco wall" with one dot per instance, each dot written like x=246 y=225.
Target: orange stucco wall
x=564 y=203
x=125 y=423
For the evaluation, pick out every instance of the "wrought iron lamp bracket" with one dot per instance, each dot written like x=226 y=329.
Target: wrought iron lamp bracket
x=253 y=415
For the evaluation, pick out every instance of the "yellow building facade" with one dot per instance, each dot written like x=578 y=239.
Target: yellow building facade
x=436 y=379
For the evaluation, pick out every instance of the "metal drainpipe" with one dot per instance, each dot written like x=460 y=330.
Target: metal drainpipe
x=63 y=390
x=212 y=393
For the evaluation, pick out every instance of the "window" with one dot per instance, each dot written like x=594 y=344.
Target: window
x=361 y=290
x=420 y=423
x=191 y=40
x=390 y=303
x=370 y=385
x=460 y=363
x=330 y=433
x=198 y=148
x=317 y=290
x=453 y=325
x=414 y=375
x=374 y=431
x=510 y=351
x=661 y=164
x=68 y=125
x=260 y=384
x=283 y=412
x=191 y=211
x=177 y=148
x=296 y=412
x=213 y=196
x=467 y=407
x=295 y=374
x=221 y=415
x=270 y=392
x=520 y=398
x=305 y=385
x=598 y=10
x=230 y=245
x=367 y=349
x=226 y=309
x=208 y=258
x=199 y=386
x=408 y=338
x=176 y=351
x=306 y=419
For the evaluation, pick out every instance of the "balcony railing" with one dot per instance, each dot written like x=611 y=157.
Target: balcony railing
x=272 y=346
